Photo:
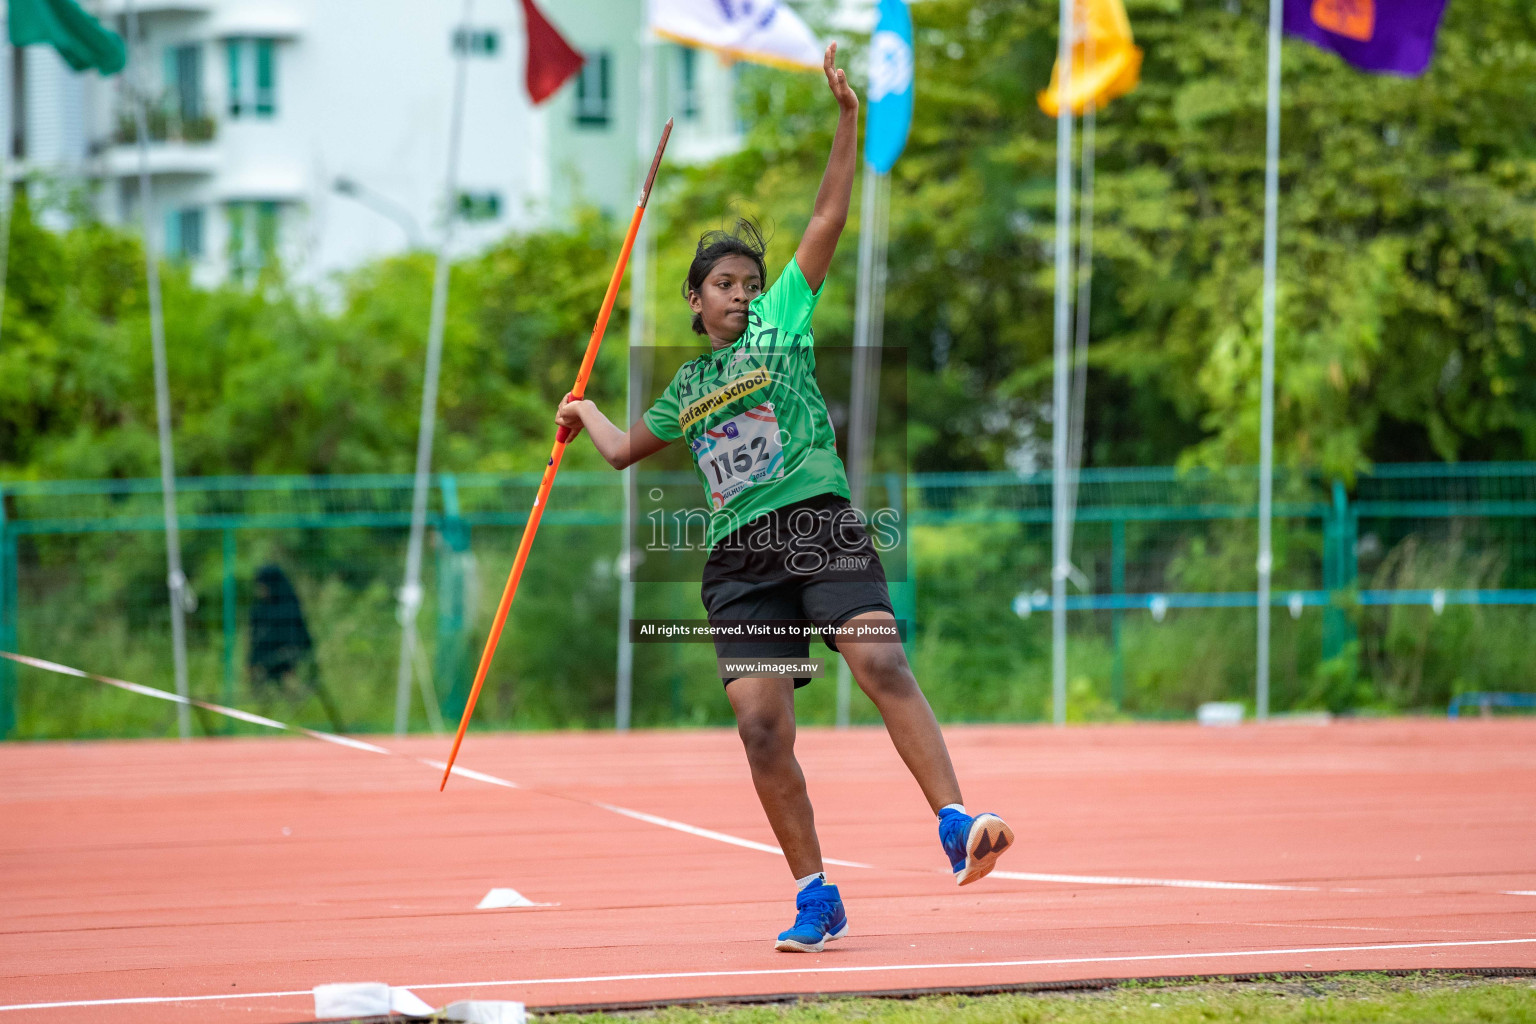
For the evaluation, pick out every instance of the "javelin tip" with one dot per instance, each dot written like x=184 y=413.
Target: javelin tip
x=650 y=178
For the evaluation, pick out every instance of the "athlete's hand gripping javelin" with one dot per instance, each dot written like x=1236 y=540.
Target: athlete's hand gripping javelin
x=837 y=81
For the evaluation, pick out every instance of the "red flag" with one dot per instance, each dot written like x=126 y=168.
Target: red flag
x=550 y=58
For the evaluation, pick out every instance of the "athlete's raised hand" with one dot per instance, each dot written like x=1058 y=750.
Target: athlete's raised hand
x=837 y=81
x=830 y=213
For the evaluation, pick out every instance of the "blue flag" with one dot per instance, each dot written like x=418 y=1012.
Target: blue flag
x=890 y=86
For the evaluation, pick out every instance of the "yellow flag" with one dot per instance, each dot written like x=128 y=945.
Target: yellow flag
x=1105 y=59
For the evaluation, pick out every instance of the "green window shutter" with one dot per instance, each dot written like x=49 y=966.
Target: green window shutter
x=266 y=230
x=173 y=247
x=592 y=90
x=266 y=78
x=189 y=81
x=192 y=232
x=232 y=51
x=236 y=215
x=688 y=85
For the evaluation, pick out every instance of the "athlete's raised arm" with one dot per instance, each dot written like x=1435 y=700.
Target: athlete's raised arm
x=830 y=213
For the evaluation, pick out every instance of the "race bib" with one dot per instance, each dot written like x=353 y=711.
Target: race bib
x=744 y=450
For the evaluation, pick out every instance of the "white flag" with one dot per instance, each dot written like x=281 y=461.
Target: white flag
x=760 y=31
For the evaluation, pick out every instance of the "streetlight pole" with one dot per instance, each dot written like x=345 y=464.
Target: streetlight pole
x=382 y=205
x=410 y=594
x=176 y=579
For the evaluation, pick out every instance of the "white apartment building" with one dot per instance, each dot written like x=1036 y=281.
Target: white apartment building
x=316 y=131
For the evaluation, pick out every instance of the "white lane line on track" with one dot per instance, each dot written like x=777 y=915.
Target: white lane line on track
x=347 y=741
x=1170 y=883
x=468 y=773
x=775 y=972
x=176 y=698
x=679 y=826
x=721 y=837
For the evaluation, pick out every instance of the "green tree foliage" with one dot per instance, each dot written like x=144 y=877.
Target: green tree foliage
x=1407 y=270
x=1408 y=275
x=271 y=380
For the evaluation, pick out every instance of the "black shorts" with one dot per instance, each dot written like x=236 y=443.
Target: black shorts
x=810 y=561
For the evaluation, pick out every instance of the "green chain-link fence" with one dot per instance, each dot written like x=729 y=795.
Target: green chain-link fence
x=1410 y=586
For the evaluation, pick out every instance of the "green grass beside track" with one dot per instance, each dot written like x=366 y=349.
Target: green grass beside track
x=1428 y=998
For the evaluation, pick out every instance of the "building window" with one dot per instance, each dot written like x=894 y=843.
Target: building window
x=479 y=205
x=740 y=96
x=184 y=81
x=252 y=77
x=592 y=90
x=688 y=82
x=252 y=238
x=476 y=42
x=184 y=234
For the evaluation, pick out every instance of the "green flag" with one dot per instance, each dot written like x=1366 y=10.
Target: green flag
x=80 y=39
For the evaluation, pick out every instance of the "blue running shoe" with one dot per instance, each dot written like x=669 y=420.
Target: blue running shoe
x=973 y=844
x=819 y=918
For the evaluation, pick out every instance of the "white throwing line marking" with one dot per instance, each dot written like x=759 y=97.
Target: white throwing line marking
x=347 y=741
x=678 y=826
x=176 y=698
x=865 y=969
x=721 y=837
x=1171 y=883
x=468 y=773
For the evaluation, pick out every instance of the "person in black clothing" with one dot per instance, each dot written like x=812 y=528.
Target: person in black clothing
x=280 y=642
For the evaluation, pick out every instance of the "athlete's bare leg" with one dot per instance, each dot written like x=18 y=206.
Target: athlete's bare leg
x=885 y=677
x=765 y=718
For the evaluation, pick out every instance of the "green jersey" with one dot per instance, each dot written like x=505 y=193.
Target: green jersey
x=752 y=415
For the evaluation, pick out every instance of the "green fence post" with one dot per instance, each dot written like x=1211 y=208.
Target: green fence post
x=904 y=592
x=1339 y=527
x=9 y=594
x=451 y=625
x=1117 y=584
x=231 y=629
x=1349 y=560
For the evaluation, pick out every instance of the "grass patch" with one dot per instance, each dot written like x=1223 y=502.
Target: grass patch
x=1440 y=997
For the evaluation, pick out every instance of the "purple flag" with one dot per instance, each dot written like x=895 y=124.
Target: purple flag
x=1394 y=36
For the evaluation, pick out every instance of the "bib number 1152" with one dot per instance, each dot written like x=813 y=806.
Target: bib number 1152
x=742 y=451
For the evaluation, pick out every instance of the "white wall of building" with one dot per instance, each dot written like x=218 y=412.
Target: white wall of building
x=362 y=90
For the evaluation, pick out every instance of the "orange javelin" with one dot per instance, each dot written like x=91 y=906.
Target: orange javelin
x=562 y=436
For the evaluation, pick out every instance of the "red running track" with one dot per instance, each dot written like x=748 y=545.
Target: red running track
x=235 y=871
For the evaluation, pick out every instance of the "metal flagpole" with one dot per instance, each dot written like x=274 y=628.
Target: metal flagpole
x=6 y=64
x=1267 y=384
x=176 y=579
x=639 y=263
x=1060 y=402
x=410 y=594
x=1077 y=404
x=863 y=315
x=877 y=294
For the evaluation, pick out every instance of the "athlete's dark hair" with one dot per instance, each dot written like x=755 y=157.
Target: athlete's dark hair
x=745 y=239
